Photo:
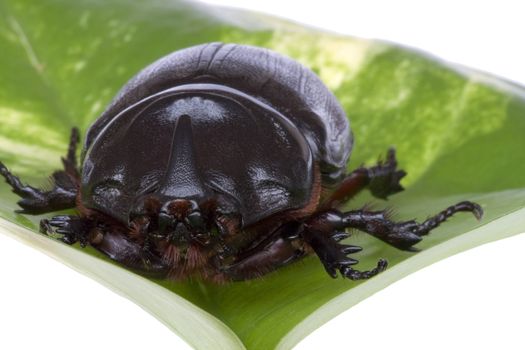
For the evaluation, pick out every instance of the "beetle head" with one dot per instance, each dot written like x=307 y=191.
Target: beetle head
x=177 y=221
x=182 y=221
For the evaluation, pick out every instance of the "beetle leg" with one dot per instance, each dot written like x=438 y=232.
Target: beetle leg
x=72 y=228
x=35 y=201
x=70 y=160
x=403 y=235
x=281 y=248
x=65 y=185
x=264 y=259
x=110 y=242
x=321 y=233
x=382 y=180
x=131 y=254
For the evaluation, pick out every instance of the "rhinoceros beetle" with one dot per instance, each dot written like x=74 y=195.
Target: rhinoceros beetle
x=223 y=162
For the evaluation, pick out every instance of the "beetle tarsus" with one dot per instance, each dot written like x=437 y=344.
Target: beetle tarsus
x=323 y=232
x=70 y=161
x=35 y=201
x=28 y=193
x=403 y=235
x=72 y=228
x=382 y=180
x=340 y=235
x=434 y=221
x=354 y=275
x=45 y=227
x=334 y=256
x=65 y=184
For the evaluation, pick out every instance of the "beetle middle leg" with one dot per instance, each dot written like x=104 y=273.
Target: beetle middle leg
x=382 y=180
x=65 y=185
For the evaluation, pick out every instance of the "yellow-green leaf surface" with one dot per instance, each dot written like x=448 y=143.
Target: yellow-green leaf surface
x=459 y=134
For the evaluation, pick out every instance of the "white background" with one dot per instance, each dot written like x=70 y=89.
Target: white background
x=473 y=300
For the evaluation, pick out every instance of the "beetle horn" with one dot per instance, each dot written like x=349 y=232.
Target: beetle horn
x=182 y=178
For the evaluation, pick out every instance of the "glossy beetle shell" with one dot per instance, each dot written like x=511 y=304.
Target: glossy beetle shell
x=260 y=122
x=215 y=163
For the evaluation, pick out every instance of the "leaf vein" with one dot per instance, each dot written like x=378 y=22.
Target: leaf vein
x=28 y=48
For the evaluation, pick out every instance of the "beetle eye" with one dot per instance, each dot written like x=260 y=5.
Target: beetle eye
x=196 y=221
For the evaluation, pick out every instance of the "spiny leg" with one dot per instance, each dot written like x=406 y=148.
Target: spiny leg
x=382 y=180
x=403 y=235
x=71 y=228
x=108 y=239
x=65 y=185
x=70 y=161
x=323 y=231
x=121 y=249
x=334 y=256
x=277 y=253
x=281 y=248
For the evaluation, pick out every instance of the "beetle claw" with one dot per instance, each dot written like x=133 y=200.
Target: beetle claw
x=385 y=177
x=333 y=255
x=350 y=249
x=340 y=235
x=72 y=228
x=360 y=275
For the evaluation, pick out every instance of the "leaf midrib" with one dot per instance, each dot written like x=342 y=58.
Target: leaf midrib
x=37 y=66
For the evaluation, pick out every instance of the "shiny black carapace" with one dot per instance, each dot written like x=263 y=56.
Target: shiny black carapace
x=223 y=162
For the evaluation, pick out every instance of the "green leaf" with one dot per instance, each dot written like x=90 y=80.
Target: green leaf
x=458 y=132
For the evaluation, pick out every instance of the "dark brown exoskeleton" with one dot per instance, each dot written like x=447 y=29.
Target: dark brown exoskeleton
x=226 y=162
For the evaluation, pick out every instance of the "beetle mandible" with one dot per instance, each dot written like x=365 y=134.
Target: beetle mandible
x=224 y=162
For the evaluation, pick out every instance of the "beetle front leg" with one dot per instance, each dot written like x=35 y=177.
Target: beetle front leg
x=108 y=240
x=120 y=248
x=322 y=234
x=72 y=228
